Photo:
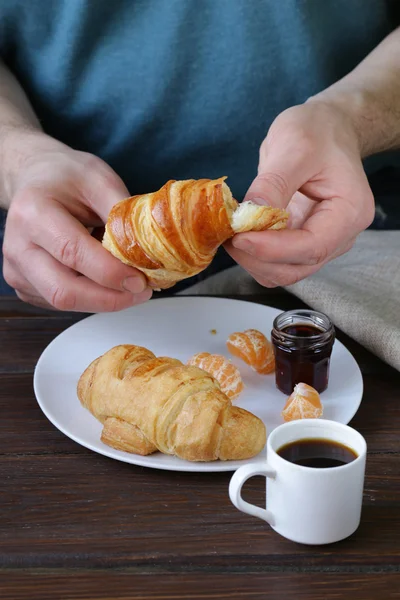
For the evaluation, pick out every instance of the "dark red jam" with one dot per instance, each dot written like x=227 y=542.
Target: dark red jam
x=302 y=341
x=301 y=330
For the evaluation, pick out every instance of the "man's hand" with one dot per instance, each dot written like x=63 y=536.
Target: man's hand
x=55 y=196
x=310 y=163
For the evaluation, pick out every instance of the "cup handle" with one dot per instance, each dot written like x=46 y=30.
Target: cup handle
x=239 y=478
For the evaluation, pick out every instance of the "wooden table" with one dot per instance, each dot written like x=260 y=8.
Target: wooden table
x=74 y=524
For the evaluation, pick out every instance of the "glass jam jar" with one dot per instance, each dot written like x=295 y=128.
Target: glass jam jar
x=302 y=342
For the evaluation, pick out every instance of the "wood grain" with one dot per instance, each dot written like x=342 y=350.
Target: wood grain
x=24 y=429
x=288 y=585
x=116 y=515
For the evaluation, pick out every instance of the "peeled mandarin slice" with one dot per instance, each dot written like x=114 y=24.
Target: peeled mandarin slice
x=303 y=403
x=254 y=349
x=222 y=370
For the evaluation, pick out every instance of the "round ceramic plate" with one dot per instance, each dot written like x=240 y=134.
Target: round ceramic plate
x=177 y=327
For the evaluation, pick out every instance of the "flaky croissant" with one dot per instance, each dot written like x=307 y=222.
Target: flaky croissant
x=174 y=233
x=148 y=404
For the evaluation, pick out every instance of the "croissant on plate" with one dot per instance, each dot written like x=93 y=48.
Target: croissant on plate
x=148 y=404
x=175 y=232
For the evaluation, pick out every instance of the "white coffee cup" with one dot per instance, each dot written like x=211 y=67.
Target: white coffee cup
x=306 y=504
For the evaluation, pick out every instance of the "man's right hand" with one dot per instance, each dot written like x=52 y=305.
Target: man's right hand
x=55 y=195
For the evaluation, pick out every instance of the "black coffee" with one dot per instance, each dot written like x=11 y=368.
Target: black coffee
x=317 y=453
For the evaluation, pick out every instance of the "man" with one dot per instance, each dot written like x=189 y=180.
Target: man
x=100 y=100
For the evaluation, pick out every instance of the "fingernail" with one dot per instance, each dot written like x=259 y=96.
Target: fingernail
x=135 y=285
x=259 y=201
x=242 y=244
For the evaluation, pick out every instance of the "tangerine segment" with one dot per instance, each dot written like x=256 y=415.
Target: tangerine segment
x=254 y=349
x=222 y=370
x=303 y=403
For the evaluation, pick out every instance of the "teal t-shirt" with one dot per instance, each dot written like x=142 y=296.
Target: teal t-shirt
x=175 y=89
x=165 y=89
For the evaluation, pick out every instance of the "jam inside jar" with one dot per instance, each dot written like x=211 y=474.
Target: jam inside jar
x=302 y=341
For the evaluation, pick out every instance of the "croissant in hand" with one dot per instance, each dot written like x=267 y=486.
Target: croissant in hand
x=148 y=404
x=174 y=233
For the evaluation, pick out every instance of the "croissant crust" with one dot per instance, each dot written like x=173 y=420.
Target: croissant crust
x=148 y=404
x=175 y=232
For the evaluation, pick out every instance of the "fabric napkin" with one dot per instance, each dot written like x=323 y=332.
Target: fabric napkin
x=359 y=291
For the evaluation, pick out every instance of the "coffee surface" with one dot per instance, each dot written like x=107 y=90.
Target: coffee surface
x=317 y=453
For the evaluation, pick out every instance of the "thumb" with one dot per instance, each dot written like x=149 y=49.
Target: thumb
x=280 y=175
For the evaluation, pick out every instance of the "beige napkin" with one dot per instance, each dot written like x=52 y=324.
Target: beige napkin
x=360 y=292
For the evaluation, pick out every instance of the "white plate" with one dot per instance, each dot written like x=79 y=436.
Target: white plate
x=177 y=327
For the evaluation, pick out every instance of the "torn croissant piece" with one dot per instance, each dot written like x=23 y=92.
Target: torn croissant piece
x=148 y=404
x=175 y=232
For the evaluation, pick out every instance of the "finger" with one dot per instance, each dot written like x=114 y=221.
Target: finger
x=65 y=290
x=274 y=275
x=34 y=300
x=287 y=275
x=330 y=227
x=24 y=290
x=16 y=280
x=71 y=244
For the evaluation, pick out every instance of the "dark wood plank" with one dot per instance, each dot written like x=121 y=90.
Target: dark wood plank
x=20 y=350
x=378 y=418
x=274 y=586
x=66 y=511
x=25 y=331
x=24 y=429
x=23 y=339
